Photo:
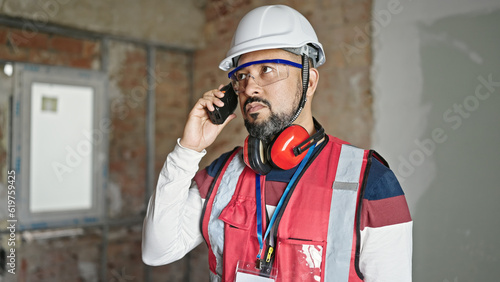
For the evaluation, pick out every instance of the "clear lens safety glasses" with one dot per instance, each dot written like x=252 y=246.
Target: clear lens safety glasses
x=265 y=72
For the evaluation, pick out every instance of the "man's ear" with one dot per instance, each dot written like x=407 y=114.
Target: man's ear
x=313 y=81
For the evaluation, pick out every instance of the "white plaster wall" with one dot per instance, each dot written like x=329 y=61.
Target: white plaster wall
x=397 y=82
x=453 y=208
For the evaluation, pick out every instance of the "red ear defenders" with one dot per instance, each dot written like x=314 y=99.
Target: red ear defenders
x=285 y=151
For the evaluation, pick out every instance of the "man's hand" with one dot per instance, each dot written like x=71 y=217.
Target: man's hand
x=200 y=132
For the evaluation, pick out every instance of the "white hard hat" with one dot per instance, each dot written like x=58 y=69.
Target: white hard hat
x=273 y=27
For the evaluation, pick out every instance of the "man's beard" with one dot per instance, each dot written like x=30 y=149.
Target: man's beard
x=267 y=129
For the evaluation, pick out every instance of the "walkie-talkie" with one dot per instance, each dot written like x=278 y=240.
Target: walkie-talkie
x=230 y=99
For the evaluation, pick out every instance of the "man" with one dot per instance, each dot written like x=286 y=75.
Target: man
x=295 y=204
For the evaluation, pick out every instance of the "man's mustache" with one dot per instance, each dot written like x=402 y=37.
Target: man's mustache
x=256 y=99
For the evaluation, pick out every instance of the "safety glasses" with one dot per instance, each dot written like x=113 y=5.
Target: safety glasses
x=264 y=72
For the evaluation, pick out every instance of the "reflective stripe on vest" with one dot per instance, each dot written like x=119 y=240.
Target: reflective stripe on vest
x=342 y=214
x=215 y=277
x=222 y=198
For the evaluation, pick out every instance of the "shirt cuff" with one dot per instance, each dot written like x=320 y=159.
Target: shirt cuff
x=185 y=158
x=202 y=153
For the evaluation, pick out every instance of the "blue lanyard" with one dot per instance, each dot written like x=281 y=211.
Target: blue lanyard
x=280 y=203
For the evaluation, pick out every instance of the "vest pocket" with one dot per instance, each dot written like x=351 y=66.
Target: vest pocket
x=239 y=213
x=240 y=242
x=300 y=260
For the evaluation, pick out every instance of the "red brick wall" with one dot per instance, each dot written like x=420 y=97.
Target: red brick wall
x=172 y=101
x=59 y=259
x=36 y=47
x=127 y=147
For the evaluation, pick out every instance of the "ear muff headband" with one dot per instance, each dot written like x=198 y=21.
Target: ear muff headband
x=315 y=138
x=305 y=86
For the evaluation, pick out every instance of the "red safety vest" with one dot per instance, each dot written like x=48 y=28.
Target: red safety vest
x=317 y=229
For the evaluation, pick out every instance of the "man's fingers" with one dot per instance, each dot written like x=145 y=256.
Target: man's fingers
x=211 y=98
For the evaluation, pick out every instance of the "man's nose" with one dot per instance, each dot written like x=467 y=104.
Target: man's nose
x=251 y=86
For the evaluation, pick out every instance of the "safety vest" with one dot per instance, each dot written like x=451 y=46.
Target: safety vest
x=318 y=236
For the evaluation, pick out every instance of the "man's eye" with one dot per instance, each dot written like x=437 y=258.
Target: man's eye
x=267 y=69
x=241 y=76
